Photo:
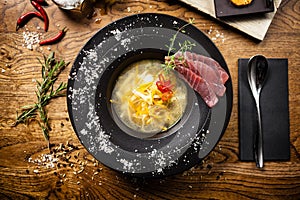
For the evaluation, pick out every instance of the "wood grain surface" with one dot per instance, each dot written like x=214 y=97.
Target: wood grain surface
x=70 y=172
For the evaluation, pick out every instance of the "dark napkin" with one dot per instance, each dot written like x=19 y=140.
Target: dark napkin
x=274 y=111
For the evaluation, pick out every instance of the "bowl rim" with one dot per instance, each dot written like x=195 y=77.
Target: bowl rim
x=211 y=140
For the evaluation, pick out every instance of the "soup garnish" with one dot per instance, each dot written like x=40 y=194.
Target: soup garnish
x=204 y=74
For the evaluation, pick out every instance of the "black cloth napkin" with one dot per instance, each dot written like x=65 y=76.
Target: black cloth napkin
x=274 y=111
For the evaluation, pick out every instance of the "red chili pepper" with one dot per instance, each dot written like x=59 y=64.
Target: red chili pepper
x=163 y=85
x=39 y=8
x=26 y=17
x=41 y=2
x=54 y=39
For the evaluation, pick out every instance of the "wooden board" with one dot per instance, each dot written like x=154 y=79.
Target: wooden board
x=255 y=26
x=25 y=173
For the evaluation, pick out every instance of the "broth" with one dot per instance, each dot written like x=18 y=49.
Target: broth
x=144 y=106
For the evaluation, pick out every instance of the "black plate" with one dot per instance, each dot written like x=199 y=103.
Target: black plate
x=224 y=8
x=93 y=75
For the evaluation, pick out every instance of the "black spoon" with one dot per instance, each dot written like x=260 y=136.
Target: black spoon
x=257 y=72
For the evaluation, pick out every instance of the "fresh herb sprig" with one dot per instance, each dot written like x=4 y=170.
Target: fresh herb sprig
x=51 y=68
x=183 y=47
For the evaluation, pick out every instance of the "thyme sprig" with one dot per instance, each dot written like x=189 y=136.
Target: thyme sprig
x=51 y=68
x=183 y=47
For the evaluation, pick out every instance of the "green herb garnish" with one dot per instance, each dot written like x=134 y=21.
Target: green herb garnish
x=185 y=46
x=51 y=68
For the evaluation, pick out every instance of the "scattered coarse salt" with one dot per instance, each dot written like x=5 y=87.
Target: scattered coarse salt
x=127 y=165
x=216 y=34
x=46 y=160
x=117 y=34
x=159 y=170
x=31 y=39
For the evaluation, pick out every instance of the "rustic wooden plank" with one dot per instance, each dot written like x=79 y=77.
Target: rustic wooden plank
x=255 y=26
x=29 y=171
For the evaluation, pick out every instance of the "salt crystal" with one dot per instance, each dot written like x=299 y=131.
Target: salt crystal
x=126 y=164
x=216 y=34
x=30 y=39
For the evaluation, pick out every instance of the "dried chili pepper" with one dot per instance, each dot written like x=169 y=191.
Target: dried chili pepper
x=41 y=2
x=22 y=20
x=54 y=39
x=39 y=8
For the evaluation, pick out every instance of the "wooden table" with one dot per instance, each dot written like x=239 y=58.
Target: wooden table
x=26 y=173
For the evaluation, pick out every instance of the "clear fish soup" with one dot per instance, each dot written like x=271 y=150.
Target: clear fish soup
x=147 y=99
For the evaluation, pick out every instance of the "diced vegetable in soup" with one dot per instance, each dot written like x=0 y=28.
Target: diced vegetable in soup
x=147 y=99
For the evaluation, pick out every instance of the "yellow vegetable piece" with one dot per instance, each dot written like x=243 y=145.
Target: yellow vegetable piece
x=241 y=2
